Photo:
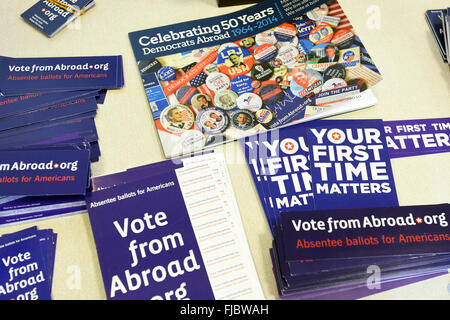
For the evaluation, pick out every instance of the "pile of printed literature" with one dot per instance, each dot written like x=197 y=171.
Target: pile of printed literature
x=48 y=106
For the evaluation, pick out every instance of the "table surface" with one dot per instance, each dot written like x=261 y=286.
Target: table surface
x=416 y=85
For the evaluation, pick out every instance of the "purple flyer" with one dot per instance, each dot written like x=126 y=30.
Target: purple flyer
x=407 y=138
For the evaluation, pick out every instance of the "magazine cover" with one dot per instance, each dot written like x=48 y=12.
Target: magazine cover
x=273 y=64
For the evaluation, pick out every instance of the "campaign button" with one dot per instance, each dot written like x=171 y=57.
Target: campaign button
x=166 y=73
x=335 y=83
x=247 y=43
x=212 y=120
x=280 y=71
x=242 y=120
x=306 y=83
x=317 y=14
x=210 y=68
x=249 y=101
x=288 y=55
x=323 y=53
x=343 y=39
x=235 y=61
x=285 y=32
x=271 y=93
x=266 y=37
x=304 y=28
x=227 y=45
x=335 y=71
x=305 y=46
x=265 y=52
x=201 y=101
x=242 y=84
x=149 y=66
x=177 y=118
x=226 y=99
x=217 y=81
x=262 y=71
x=264 y=116
x=321 y=34
x=185 y=94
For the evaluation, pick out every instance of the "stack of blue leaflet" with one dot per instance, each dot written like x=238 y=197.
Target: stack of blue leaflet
x=349 y=254
x=27 y=263
x=47 y=108
x=317 y=170
x=51 y=16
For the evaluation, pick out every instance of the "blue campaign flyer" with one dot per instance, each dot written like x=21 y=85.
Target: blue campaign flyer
x=350 y=165
x=145 y=242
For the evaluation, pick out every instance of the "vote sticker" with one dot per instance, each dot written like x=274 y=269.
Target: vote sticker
x=149 y=66
x=201 y=101
x=212 y=121
x=285 y=32
x=242 y=120
x=304 y=28
x=177 y=118
x=235 y=61
x=185 y=94
x=262 y=71
x=271 y=93
x=242 y=84
x=321 y=34
x=166 y=73
x=335 y=71
x=266 y=37
x=317 y=14
x=226 y=99
x=264 y=116
x=217 y=81
x=288 y=55
x=265 y=52
x=249 y=101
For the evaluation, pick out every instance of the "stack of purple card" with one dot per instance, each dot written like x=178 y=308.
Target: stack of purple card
x=27 y=263
x=47 y=111
x=350 y=254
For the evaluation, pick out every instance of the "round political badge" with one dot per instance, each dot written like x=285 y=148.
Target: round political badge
x=149 y=66
x=317 y=14
x=217 y=81
x=166 y=73
x=300 y=63
x=249 y=101
x=192 y=140
x=241 y=84
x=177 y=118
x=242 y=120
x=343 y=39
x=264 y=116
x=227 y=45
x=280 y=71
x=201 y=101
x=305 y=46
x=293 y=42
x=247 y=43
x=265 y=37
x=256 y=84
x=335 y=71
x=332 y=84
x=226 y=99
x=304 y=28
x=235 y=61
x=185 y=93
x=363 y=86
x=305 y=83
x=262 y=71
x=321 y=34
x=265 y=52
x=270 y=93
x=212 y=120
x=210 y=68
x=285 y=32
x=288 y=55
